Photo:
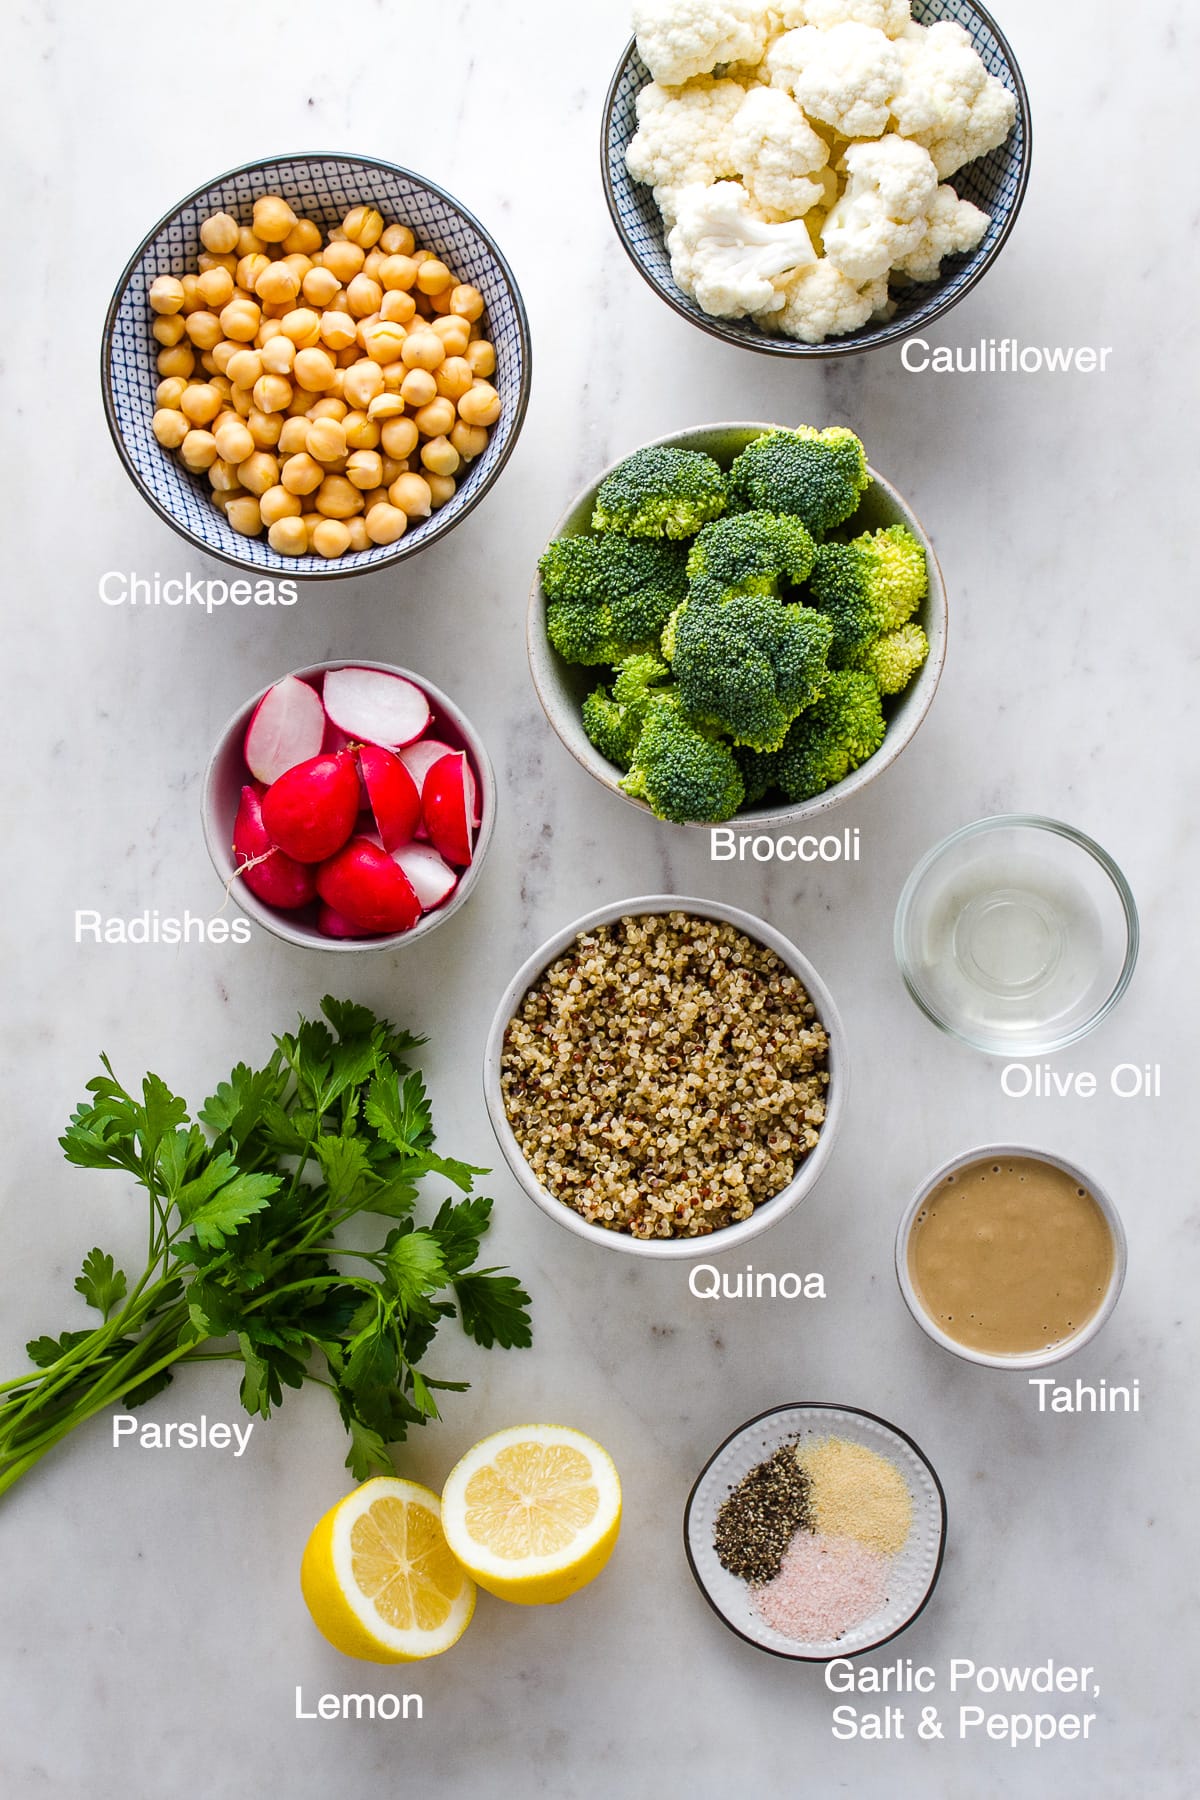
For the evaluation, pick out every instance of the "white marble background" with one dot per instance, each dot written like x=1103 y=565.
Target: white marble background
x=153 y=1632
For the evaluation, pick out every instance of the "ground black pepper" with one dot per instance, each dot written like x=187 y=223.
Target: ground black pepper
x=761 y=1516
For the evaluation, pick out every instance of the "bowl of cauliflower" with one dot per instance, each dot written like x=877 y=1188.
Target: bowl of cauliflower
x=817 y=177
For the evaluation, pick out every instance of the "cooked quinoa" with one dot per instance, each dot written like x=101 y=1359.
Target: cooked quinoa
x=665 y=1076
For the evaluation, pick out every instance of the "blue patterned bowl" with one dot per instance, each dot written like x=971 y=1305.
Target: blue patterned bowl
x=995 y=182
x=321 y=188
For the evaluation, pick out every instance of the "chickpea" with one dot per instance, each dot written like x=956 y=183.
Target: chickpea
x=193 y=299
x=411 y=493
x=265 y=428
x=397 y=240
x=469 y=440
x=234 y=443
x=423 y=350
x=169 y=393
x=418 y=388
x=375 y=497
x=303 y=326
x=168 y=329
x=364 y=468
x=393 y=468
x=219 y=233
x=200 y=402
x=293 y=436
x=454 y=332
x=328 y=407
x=363 y=381
x=440 y=457
x=223 y=476
x=204 y=329
x=272 y=393
x=208 y=363
x=325 y=440
x=199 y=450
x=241 y=402
x=166 y=294
x=297 y=407
x=437 y=419
x=278 y=355
x=482 y=357
x=397 y=273
x=314 y=370
x=206 y=262
x=397 y=307
x=363 y=225
x=344 y=260
x=244 y=367
x=466 y=302
x=337 y=498
x=363 y=296
x=276 y=284
x=180 y=359
x=278 y=503
x=433 y=277
x=217 y=287
x=454 y=378
x=357 y=527
x=244 y=515
x=338 y=330
x=250 y=268
x=319 y=286
x=362 y=433
x=382 y=341
x=386 y=523
x=480 y=405
x=394 y=377
x=304 y=237
x=273 y=219
x=375 y=260
x=270 y=328
x=441 y=489
x=385 y=406
x=249 y=243
x=399 y=437
x=259 y=471
x=330 y=538
x=170 y=427
x=301 y=474
x=240 y=320
x=289 y=536
x=347 y=358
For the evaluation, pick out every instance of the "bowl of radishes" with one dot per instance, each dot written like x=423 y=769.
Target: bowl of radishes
x=349 y=806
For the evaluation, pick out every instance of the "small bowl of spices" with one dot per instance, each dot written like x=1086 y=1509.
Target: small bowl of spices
x=666 y=1076
x=1010 y=1257
x=816 y=1531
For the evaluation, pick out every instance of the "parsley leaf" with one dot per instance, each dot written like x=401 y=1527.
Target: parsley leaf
x=102 y=1284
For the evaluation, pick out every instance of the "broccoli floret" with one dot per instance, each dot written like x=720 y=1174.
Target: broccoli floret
x=871 y=585
x=682 y=773
x=608 y=596
x=747 y=666
x=613 y=721
x=842 y=730
x=760 y=772
x=892 y=659
x=818 y=475
x=661 y=491
x=750 y=553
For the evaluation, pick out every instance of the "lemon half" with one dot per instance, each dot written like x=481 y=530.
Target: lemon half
x=379 y=1578
x=533 y=1512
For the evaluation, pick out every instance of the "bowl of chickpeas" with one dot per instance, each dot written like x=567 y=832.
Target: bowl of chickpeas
x=316 y=365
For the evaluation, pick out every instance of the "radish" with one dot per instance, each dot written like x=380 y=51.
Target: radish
x=433 y=880
x=378 y=708
x=310 y=811
x=267 y=871
x=368 y=889
x=419 y=758
x=448 y=805
x=287 y=728
x=391 y=794
x=335 y=925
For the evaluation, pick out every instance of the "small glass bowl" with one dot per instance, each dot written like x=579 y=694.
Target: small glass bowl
x=1016 y=935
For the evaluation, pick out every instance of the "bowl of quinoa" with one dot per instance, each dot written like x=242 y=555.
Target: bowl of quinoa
x=666 y=1076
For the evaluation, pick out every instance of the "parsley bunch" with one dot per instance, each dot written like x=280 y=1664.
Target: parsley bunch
x=244 y=1208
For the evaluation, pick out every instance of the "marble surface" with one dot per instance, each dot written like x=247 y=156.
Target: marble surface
x=153 y=1633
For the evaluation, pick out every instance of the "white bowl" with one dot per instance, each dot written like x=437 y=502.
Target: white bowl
x=763 y=1216
x=562 y=687
x=1036 y=1359
x=226 y=775
x=916 y=1567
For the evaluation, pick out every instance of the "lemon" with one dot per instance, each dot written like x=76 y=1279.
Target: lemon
x=378 y=1577
x=533 y=1512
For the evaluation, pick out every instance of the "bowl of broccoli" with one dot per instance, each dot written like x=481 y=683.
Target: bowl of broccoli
x=738 y=622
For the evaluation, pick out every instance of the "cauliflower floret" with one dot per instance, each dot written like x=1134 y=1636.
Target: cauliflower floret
x=678 y=39
x=946 y=100
x=774 y=149
x=844 y=77
x=727 y=257
x=889 y=16
x=953 y=226
x=881 y=217
x=682 y=137
x=820 y=302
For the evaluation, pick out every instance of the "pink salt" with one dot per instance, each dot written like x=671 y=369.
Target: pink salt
x=825 y=1586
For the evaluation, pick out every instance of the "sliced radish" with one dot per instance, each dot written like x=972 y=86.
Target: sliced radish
x=367 y=888
x=378 y=708
x=432 y=878
x=392 y=795
x=311 y=810
x=419 y=758
x=287 y=728
x=276 y=878
x=335 y=739
x=336 y=925
x=448 y=806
